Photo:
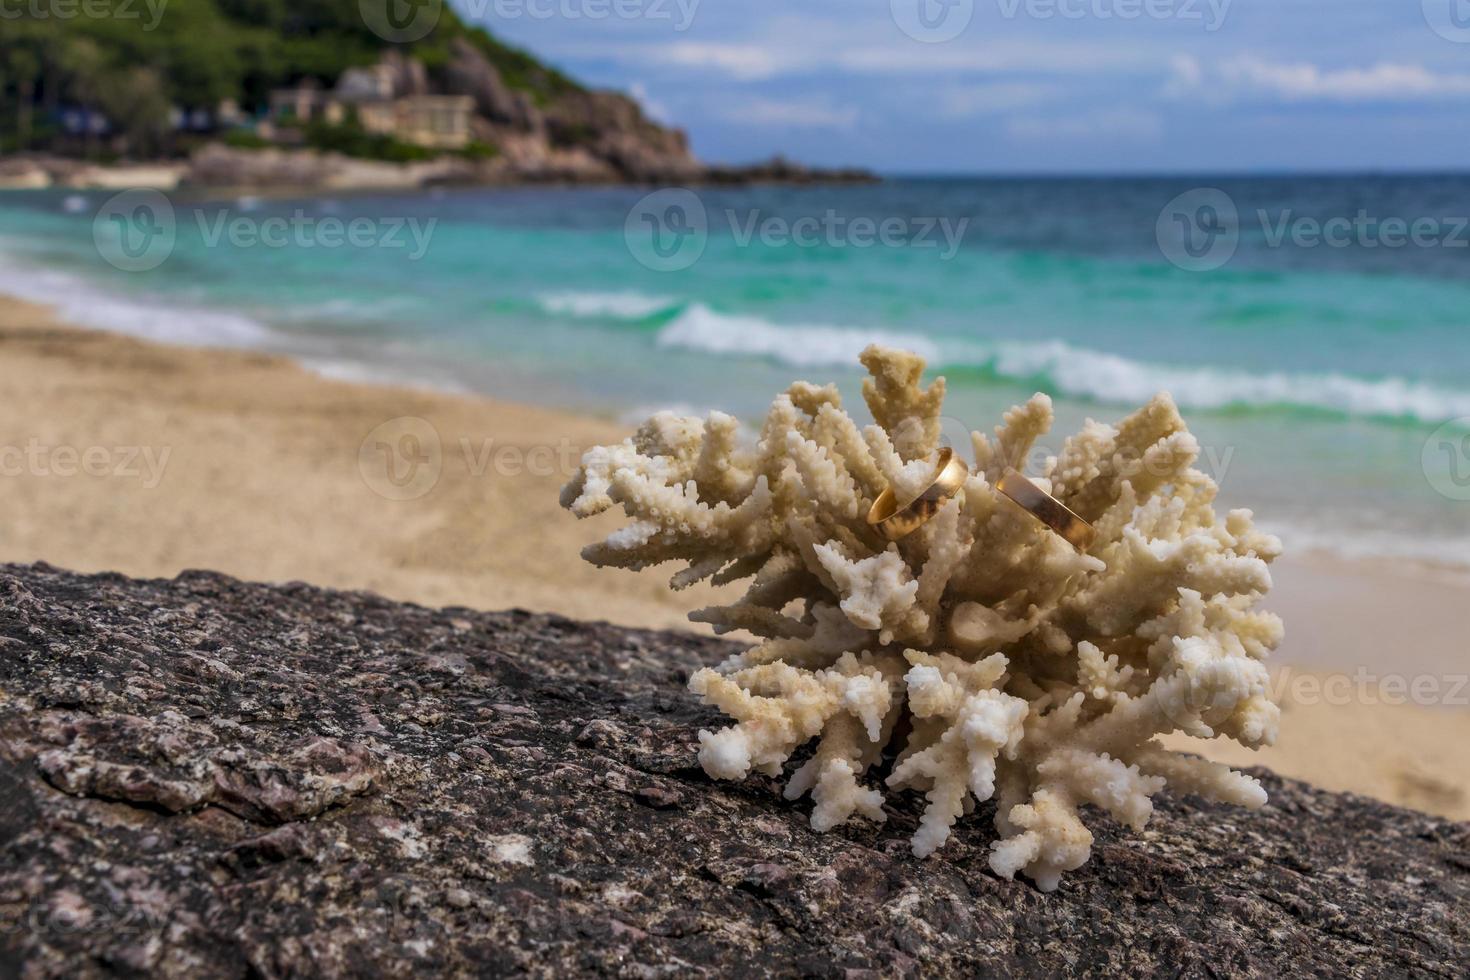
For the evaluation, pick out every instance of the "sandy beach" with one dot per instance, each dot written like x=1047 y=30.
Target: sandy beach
x=122 y=455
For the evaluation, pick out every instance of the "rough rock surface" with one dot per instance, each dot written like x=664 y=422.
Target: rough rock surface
x=206 y=777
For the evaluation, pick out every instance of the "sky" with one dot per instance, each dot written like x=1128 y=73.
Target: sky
x=1029 y=86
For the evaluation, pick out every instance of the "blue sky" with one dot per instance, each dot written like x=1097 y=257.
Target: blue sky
x=1030 y=85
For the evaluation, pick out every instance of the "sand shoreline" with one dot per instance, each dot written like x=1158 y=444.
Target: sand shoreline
x=126 y=455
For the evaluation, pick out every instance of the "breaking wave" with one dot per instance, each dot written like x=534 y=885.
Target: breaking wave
x=1054 y=366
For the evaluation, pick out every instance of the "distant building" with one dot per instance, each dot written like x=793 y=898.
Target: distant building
x=373 y=84
x=437 y=121
x=192 y=120
x=306 y=103
x=229 y=114
x=79 y=121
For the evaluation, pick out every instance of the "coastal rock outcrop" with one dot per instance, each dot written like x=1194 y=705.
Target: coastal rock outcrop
x=470 y=73
x=216 y=165
x=209 y=777
x=577 y=137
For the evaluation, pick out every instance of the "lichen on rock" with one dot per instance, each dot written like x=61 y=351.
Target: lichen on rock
x=981 y=657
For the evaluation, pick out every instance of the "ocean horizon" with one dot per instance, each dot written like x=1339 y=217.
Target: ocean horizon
x=1321 y=371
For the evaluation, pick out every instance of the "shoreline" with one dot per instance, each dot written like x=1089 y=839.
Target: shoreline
x=168 y=321
x=217 y=169
x=266 y=470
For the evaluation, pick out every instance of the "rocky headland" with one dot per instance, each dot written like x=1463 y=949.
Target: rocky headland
x=577 y=136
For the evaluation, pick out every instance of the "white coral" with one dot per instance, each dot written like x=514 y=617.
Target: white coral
x=1022 y=670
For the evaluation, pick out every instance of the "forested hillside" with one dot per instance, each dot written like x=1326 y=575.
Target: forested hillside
x=148 y=57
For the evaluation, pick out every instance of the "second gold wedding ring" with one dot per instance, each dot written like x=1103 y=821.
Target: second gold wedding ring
x=1047 y=509
x=894 y=521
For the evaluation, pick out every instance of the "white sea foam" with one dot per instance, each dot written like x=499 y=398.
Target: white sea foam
x=616 y=306
x=1071 y=371
x=1364 y=543
x=702 y=329
x=1105 y=377
x=78 y=302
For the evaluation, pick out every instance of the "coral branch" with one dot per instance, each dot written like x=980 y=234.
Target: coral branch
x=1015 y=667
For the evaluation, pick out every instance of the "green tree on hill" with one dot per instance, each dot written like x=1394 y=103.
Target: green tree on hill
x=200 y=53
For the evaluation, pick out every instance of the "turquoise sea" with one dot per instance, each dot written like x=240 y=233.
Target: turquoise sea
x=1315 y=330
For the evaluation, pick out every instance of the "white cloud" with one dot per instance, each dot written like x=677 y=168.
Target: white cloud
x=804 y=47
x=653 y=108
x=1017 y=55
x=793 y=115
x=968 y=101
x=1251 y=77
x=747 y=62
x=1133 y=124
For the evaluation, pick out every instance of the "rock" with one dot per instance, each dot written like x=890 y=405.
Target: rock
x=217 y=165
x=577 y=137
x=410 y=77
x=209 y=777
x=581 y=136
x=470 y=73
x=20 y=174
x=613 y=128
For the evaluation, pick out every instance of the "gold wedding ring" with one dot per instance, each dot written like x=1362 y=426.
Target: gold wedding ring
x=1047 y=509
x=895 y=522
